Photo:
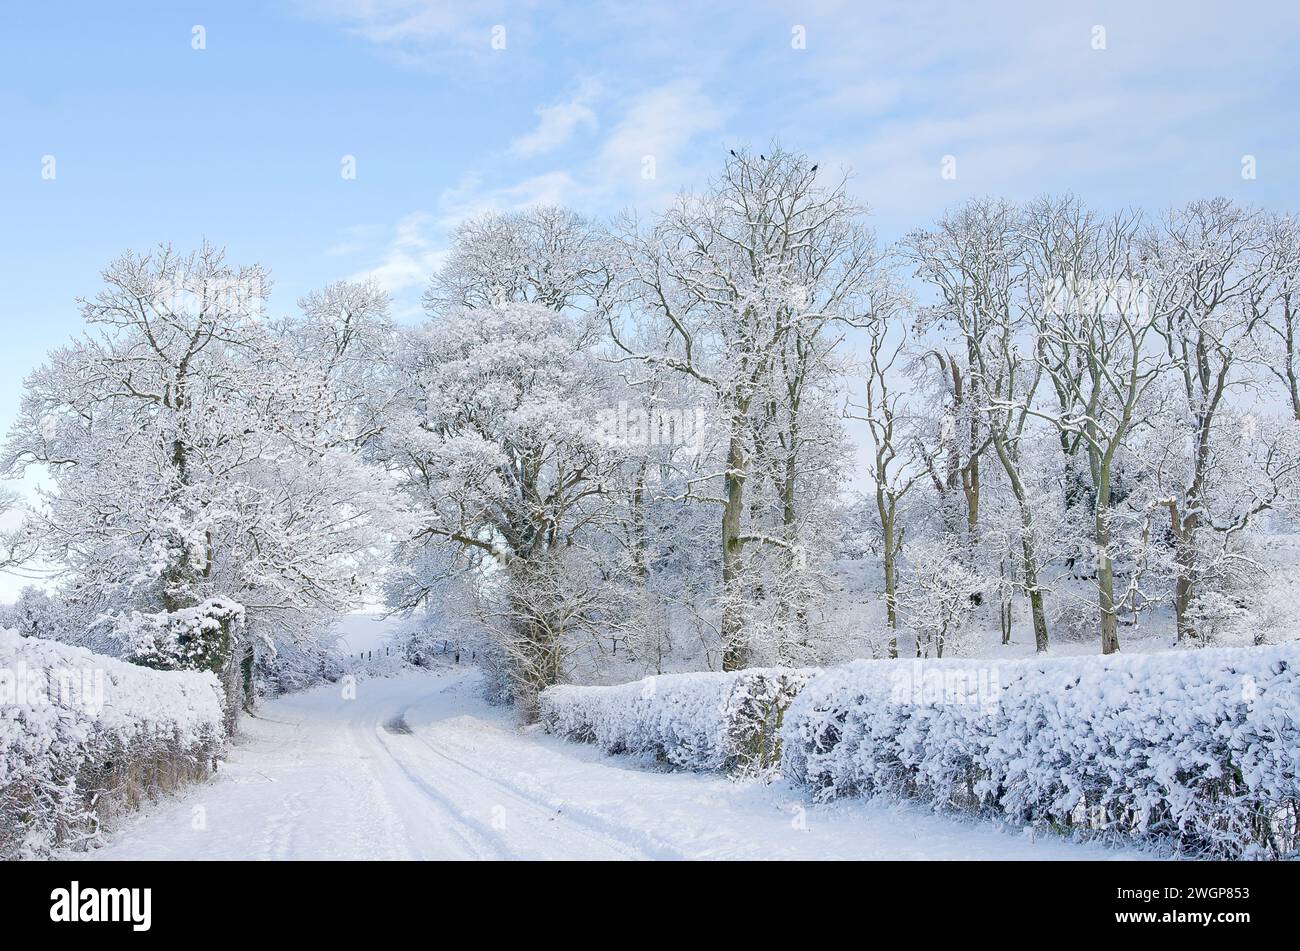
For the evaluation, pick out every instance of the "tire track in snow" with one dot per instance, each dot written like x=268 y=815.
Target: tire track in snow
x=429 y=833
x=597 y=828
x=527 y=828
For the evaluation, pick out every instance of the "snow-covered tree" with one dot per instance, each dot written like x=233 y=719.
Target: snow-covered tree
x=744 y=286
x=1279 y=326
x=936 y=601
x=497 y=446
x=1096 y=341
x=975 y=260
x=342 y=337
x=894 y=470
x=1208 y=283
x=182 y=439
x=36 y=614
x=544 y=255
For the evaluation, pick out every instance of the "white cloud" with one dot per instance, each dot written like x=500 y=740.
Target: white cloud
x=409 y=29
x=664 y=122
x=557 y=123
x=659 y=123
x=354 y=240
x=470 y=197
x=418 y=245
x=410 y=259
x=872 y=97
x=1020 y=98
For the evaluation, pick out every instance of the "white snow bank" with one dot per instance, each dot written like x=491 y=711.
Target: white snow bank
x=700 y=721
x=83 y=737
x=1197 y=750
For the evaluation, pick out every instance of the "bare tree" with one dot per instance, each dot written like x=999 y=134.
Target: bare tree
x=974 y=258
x=1096 y=339
x=1208 y=283
x=1280 y=323
x=893 y=473
x=742 y=281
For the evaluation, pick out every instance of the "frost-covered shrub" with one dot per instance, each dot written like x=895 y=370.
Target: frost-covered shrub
x=197 y=638
x=936 y=602
x=207 y=636
x=85 y=737
x=286 y=666
x=699 y=721
x=1222 y=619
x=35 y=614
x=1194 y=750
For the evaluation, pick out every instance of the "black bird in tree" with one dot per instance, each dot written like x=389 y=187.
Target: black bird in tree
x=814 y=168
x=733 y=154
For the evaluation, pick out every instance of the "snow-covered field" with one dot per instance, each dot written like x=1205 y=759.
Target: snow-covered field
x=419 y=767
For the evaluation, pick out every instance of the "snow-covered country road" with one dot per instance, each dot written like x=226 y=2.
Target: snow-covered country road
x=419 y=767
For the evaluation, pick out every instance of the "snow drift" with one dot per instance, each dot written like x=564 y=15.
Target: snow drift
x=1198 y=751
x=699 y=721
x=84 y=737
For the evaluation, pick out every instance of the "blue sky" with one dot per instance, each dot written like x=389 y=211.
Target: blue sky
x=242 y=142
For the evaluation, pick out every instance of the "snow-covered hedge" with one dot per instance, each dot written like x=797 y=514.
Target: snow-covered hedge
x=84 y=737
x=1197 y=750
x=700 y=721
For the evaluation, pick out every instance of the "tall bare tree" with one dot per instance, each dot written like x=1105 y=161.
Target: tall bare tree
x=1097 y=340
x=743 y=282
x=975 y=259
x=1209 y=283
x=1280 y=325
x=894 y=472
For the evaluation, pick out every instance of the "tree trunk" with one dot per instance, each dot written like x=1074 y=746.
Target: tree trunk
x=640 y=543
x=1040 y=619
x=1004 y=609
x=1100 y=464
x=1185 y=584
x=1032 y=589
x=734 y=649
x=890 y=557
x=796 y=607
x=1028 y=548
x=891 y=596
x=1185 y=556
x=1035 y=594
x=1106 y=584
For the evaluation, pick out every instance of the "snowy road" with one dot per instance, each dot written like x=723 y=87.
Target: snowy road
x=418 y=767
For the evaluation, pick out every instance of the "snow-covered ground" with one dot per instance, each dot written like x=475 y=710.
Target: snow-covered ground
x=419 y=767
